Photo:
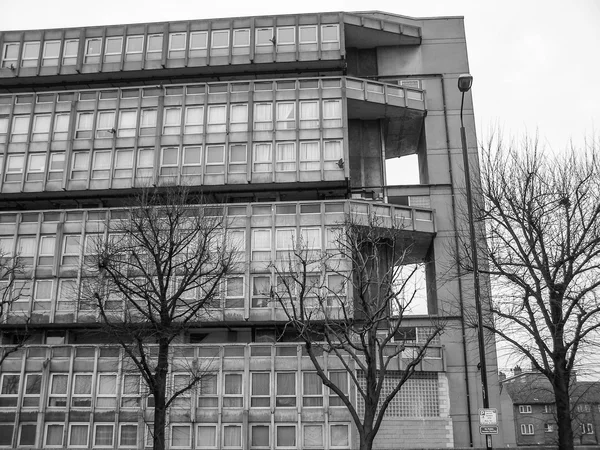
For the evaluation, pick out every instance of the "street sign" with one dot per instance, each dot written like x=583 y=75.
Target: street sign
x=488 y=417
x=489 y=429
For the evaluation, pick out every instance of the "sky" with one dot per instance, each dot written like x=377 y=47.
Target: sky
x=535 y=63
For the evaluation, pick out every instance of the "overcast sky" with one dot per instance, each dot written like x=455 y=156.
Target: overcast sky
x=535 y=63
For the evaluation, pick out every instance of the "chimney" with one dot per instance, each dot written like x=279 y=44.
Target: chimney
x=517 y=370
x=501 y=376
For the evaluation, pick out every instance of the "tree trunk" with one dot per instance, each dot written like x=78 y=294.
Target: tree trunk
x=366 y=441
x=160 y=393
x=563 y=408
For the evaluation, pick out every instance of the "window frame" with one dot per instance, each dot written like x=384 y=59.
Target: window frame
x=95 y=436
x=113 y=56
x=70 y=435
x=14 y=174
x=70 y=59
x=31 y=61
x=179 y=52
x=127 y=424
x=134 y=55
x=47 y=425
x=154 y=55
x=53 y=397
x=527 y=429
x=525 y=409
x=88 y=56
x=6 y=61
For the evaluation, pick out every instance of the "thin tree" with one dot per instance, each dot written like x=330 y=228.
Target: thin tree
x=12 y=283
x=164 y=262
x=540 y=215
x=358 y=318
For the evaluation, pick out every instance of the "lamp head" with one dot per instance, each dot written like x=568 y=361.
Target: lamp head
x=465 y=81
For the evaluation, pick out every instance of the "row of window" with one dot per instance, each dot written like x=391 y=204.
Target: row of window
x=193 y=160
x=549 y=408
x=180 y=436
x=529 y=429
x=215 y=390
x=180 y=45
x=193 y=93
x=42 y=296
x=190 y=120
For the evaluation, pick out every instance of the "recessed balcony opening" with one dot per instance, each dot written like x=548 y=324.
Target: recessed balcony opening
x=403 y=170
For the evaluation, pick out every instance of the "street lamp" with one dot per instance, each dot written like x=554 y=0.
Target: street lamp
x=465 y=81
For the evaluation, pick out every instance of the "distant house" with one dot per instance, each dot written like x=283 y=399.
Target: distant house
x=528 y=404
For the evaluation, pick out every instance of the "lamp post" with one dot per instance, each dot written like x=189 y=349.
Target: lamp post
x=465 y=81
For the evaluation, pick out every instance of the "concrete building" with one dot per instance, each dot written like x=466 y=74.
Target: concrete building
x=290 y=121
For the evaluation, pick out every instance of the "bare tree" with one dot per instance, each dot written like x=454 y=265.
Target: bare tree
x=540 y=215
x=357 y=316
x=164 y=262
x=12 y=283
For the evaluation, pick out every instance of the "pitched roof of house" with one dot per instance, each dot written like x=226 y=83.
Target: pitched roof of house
x=534 y=388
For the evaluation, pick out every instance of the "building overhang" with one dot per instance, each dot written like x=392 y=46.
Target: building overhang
x=370 y=32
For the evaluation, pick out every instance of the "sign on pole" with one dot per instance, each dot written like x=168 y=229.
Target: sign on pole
x=488 y=421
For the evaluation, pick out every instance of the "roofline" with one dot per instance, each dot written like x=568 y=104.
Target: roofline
x=76 y=27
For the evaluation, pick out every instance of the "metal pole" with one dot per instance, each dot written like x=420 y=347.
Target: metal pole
x=476 y=285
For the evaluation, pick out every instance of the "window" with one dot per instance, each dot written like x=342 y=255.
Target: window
x=261 y=390
x=181 y=436
x=215 y=159
x=92 y=51
x=260 y=436
x=134 y=48
x=192 y=163
x=128 y=435
x=145 y=163
x=332 y=154
x=241 y=42
x=54 y=435
x=35 y=167
x=232 y=436
x=58 y=390
x=309 y=115
x=169 y=161
x=262 y=158
x=177 y=45
x=46 y=258
x=332 y=113
x=216 y=119
x=9 y=392
x=286 y=115
x=154 y=48
x=51 y=53
x=232 y=390
x=194 y=120
x=239 y=118
x=286 y=39
x=14 y=168
x=330 y=37
x=105 y=124
x=307 y=38
x=587 y=428
x=41 y=127
x=264 y=40
x=148 y=122
x=70 y=249
x=263 y=116
x=67 y=295
x=339 y=436
x=207 y=391
x=82 y=391
x=84 y=125
x=20 y=129
x=123 y=164
x=3 y=125
x=78 y=435
x=527 y=429
x=219 y=44
x=70 y=52
x=106 y=391
x=286 y=390
x=286 y=157
x=525 y=409
x=10 y=55
x=31 y=52
x=33 y=389
x=585 y=407
x=101 y=165
x=127 y=123
x=61 y=127
x=286 y=436
x=312 y=389
x=261 y=245
x=310 y=156
x=130 y=392
x=198 y=40
x=79 y=169
x=340 y=379
x=548 y=409
x=207 y=436
x=548 y=427
x=313 y=436
x=27 y=434
x=172 y=121
x=104 y=435
x=237 y=158
x=113 y=50
x=56 y=166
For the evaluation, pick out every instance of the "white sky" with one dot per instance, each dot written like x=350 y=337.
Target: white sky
x=535 y=62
